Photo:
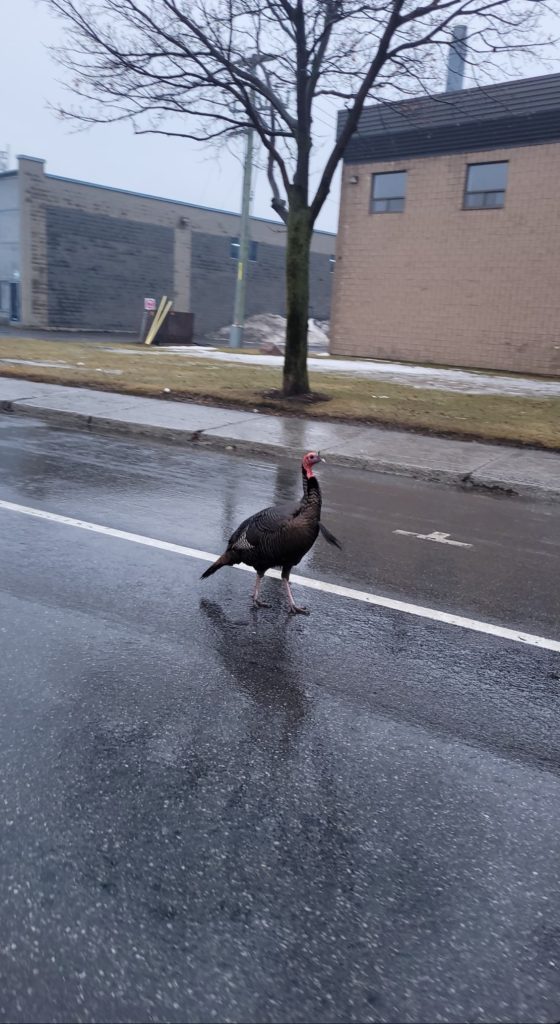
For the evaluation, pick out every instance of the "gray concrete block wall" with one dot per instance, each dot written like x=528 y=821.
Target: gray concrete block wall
x=89 y=255
x=100 y=268
x=213 y=277
x=320 y=284
x=214 y=273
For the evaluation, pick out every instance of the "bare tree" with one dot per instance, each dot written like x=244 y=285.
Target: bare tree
x=204 y=69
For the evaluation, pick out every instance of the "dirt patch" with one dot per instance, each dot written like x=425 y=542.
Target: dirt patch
x=310 y=398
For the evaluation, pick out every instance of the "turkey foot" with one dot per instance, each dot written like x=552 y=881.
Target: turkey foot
x=294 y=608
x=257 y=603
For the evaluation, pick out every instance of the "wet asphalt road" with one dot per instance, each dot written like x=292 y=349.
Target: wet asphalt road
x=207 y=813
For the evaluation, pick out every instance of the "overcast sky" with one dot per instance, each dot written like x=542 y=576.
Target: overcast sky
x=112 y=154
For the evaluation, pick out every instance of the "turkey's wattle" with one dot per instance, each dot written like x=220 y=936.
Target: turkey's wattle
x=276 y=538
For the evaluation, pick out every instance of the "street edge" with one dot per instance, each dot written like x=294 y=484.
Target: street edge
x=220 y=442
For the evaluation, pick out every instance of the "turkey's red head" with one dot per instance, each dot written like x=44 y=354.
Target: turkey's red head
x=310 y=460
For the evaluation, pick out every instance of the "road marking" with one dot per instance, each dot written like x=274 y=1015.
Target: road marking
x=439 y=538
x=303 y=581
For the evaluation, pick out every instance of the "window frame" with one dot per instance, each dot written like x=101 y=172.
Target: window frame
x=388 y=199
x=484 y=192
x=253 y=256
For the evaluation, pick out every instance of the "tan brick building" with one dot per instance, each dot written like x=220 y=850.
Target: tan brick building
x=448 y=248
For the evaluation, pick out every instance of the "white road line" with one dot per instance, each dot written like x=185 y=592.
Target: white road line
x=436 y=535
x=303 y=581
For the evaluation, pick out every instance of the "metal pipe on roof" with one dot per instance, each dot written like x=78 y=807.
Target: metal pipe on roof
x=456 y=59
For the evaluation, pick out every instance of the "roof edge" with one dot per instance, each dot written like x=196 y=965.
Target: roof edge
x=488 y=88
x=176 y=202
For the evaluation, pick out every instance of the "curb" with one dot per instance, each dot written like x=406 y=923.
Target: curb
x=198 y=438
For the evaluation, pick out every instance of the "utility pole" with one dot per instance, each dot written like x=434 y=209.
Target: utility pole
x=236 y=329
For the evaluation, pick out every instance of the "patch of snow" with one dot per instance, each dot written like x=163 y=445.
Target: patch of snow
x=396 y=373
x=270 y=328
x=57 y=365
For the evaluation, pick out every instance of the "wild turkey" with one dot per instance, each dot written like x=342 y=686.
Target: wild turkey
x=276 y=537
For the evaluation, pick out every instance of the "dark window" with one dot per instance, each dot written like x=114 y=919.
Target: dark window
x=486 y=186
x=388 y=192
x=332 y=261
x=234 y=250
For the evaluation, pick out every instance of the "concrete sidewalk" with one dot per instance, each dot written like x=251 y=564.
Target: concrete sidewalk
x=468 y=464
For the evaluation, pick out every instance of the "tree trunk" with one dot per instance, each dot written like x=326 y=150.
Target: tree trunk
x=296 y=380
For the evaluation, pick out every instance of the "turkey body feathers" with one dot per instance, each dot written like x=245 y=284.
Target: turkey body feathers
x=275 y=536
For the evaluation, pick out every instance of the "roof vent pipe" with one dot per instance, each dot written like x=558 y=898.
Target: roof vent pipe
x=456 y=59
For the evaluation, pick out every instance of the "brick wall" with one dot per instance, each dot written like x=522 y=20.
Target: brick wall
x=440 y=284
x=89 y=268
x=90 y=254
x=320 y=284
x=214 y=275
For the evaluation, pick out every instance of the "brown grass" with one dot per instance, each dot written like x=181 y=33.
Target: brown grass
x=145 y=371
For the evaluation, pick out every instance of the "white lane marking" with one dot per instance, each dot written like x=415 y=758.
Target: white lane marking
x=304 y=581
x=439 y=538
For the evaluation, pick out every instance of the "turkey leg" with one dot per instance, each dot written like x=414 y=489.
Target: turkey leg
x=257 y=603
x=294 y=608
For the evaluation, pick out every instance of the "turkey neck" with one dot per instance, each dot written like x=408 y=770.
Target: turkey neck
x=311 y=501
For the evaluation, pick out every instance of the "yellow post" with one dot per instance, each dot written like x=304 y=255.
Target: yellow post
x=158 y=320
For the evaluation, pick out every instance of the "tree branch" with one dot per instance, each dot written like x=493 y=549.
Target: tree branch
x=351 y=123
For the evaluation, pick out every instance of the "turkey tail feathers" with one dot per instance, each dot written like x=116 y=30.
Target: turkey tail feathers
x=330 y=536
x=224 y=559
